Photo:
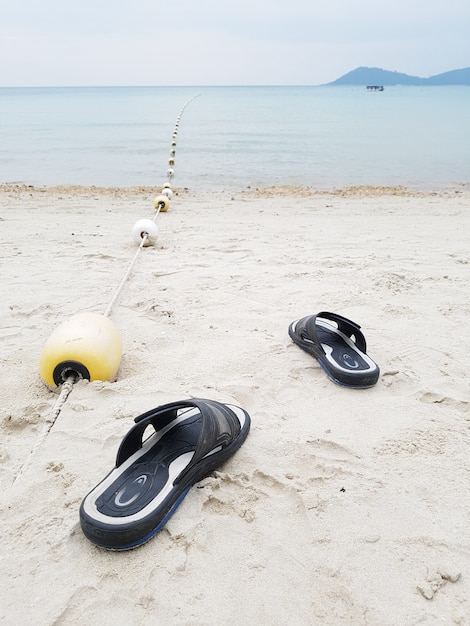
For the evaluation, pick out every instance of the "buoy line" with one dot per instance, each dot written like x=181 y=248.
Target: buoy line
x=89 y=346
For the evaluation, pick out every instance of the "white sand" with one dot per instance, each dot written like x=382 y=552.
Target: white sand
x=343 y=506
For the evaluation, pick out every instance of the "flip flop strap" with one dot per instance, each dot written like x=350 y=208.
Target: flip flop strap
x=219 y=427
x=346 y=326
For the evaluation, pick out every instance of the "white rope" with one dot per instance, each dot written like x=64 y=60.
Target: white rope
x=67 y=386
x=107 y=313
x=65 y=391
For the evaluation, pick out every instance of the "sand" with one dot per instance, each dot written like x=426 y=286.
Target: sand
x=343 y=506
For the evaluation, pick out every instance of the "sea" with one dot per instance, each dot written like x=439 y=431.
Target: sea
x=236 y=137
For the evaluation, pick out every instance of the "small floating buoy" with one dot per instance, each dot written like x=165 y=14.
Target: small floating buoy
x=173 y=143
x=169 y=172
x=166 y=185
x=171 y=161
x=161 y=202
x=145 y=228
x=166 y=191
x=88 y=346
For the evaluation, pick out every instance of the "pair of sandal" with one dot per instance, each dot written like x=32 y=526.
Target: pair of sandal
x=192 y=438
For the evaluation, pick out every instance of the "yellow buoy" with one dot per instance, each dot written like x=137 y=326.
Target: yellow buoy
x=88 y=346
x=161 y=202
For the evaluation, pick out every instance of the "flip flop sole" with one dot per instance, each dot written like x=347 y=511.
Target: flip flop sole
x=135 y=500
x=338 y=356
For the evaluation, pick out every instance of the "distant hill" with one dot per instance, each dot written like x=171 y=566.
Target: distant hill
x=454 y=77
x=378 y=76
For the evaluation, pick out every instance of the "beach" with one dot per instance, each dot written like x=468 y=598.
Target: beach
x=343 y=506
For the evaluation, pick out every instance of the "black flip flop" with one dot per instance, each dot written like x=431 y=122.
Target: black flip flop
x=151 y=477
x=340 y=348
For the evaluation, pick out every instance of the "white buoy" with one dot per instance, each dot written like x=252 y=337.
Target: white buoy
x=166 y=191
x=145 y=229
x=88 y=346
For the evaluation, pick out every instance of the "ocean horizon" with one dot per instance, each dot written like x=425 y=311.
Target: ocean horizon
x=233 y=137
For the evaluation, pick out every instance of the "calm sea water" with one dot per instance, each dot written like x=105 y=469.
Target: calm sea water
x=234 y=137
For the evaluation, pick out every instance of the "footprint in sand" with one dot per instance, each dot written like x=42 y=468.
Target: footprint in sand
x=434 y=398
x=435 y=582
x=30 y=415
x=397 y=282
x=419 y=442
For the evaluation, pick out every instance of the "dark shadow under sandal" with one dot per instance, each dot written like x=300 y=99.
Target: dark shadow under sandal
x=340 y=348
x=191 y=439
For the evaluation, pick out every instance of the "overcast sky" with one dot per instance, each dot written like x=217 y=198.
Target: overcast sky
x=226 y=42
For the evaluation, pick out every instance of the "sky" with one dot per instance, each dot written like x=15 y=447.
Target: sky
x=226 y=42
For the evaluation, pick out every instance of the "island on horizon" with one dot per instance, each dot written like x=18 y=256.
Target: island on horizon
x=375 y=76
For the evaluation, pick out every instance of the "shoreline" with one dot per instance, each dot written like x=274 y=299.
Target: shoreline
x=254 y=191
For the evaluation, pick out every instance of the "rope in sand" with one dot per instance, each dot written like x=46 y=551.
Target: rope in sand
x=113 y=301
x=161 y=203
x=65 y=390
